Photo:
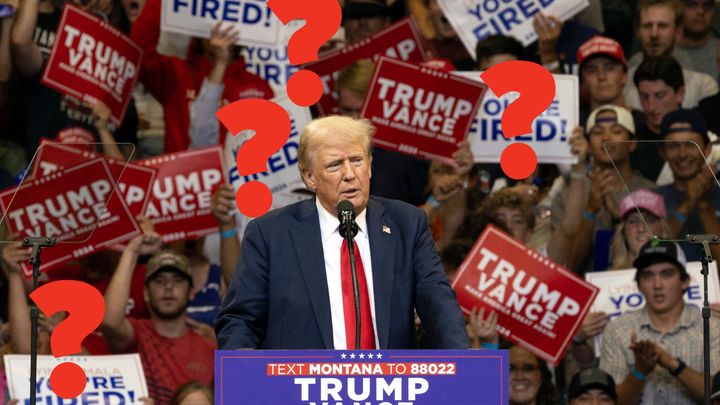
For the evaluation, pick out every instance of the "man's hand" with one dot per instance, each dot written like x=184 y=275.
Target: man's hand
x=646 y=357
x=593 y=325
x=446 y=186
x=698 y=190
x=221 y=205
x=148 y=242
x=13 y=256
x=100 y=112
x=463 y=159
x=605 y=183
x=221 y=43
x=484 y=329
x=201 y=329
x=665 y=359
x=548 y=29
x=579 y=147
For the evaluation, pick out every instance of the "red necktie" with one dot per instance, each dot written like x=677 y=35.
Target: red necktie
x=367 y=334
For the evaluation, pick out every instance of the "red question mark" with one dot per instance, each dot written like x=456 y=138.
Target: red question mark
x=86 y=308
x=537 y=89
x=270 y=121
x=322 y=20
x=272 y=129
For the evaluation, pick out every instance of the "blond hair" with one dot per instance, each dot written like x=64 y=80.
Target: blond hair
x=620 y=255
x=334 y=129
x=356 y=77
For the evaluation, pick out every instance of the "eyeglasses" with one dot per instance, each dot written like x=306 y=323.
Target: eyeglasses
x=706 y=5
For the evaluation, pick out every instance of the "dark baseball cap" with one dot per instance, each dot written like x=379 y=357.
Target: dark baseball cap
x=168 y=260
x=591 y=378
x=355 y=9
x=656 y=249
x=693 y=120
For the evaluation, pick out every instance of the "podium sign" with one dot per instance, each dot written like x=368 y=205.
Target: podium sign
x=381 y=377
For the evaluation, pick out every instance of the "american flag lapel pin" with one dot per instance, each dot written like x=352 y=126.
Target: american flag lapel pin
x=386 y=229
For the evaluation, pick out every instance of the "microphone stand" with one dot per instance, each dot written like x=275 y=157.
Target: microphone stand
x=706 y=258
x=348 y=230
x=37 y=243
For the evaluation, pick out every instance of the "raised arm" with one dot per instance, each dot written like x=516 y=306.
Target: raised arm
x=221 y=206
x=13 y=255
x=116 y=328
x=26 y=54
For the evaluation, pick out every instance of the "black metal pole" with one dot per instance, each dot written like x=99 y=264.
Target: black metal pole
x=37 y=244
x=705 y=258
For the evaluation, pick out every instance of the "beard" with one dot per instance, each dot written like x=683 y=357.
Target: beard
x=695 y=35
x=168 y=315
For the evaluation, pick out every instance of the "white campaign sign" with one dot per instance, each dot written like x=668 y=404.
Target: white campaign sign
x=551 y=130
x=116 y=379
x=253 y=18
x=474 y=20
x=619 y=293
x=282 y=176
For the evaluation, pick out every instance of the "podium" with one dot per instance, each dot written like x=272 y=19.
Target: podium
x=363 y=377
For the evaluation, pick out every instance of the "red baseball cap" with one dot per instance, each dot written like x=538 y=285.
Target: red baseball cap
x=600 y=45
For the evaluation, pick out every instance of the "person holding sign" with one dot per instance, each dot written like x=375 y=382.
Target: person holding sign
x=171 y=352
x=292 y=288
x=654 y=352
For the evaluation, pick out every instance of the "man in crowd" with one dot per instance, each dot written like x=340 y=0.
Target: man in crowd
x=697 y=43
x=660 y=82
x=658 y=26
x=603 y=73
x=693 y=199
x=592 y=386
x=582 y=217
x=171 y=353
x=363 y=18
x=654 y=352
x=293 y=286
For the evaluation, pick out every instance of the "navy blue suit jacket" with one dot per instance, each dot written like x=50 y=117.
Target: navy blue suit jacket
x=279 y=297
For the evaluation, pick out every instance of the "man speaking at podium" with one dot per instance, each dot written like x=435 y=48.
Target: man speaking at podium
x=294 y=288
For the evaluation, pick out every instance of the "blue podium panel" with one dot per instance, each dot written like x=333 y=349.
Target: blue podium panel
x=361 y=377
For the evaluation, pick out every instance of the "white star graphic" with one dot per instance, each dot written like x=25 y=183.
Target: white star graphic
x=342 y=356
x=361 y=355
x=352 y=355
x=379 y=355
x=370 y=356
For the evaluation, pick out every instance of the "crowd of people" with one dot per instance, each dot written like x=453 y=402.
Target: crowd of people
x=647 y=154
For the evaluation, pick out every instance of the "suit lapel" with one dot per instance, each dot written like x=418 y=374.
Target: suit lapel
x=309 y=251
x=382 y=248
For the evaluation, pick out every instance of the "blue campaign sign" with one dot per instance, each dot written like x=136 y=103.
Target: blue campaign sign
x=362 y=377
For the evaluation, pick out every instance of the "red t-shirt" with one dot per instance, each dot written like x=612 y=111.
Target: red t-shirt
x=171 y=362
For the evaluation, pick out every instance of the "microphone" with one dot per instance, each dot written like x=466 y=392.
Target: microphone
x=346 y=215
x=348 y=230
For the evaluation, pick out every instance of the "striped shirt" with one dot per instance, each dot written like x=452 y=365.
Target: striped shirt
x=683 y=342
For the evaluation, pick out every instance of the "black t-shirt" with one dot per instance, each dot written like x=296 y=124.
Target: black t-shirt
x=399 y=176
x=710 y=108
x=646 y=159
x=47 y=112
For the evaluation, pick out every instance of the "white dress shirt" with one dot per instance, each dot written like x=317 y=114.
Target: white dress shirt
x=331 y=243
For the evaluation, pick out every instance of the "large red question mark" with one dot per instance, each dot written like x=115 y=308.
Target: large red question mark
x=271 y=122
x=322 y=20
x=272 y=129
x=536 y=86
x=86 y=308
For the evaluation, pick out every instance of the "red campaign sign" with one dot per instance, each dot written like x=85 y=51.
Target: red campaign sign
x=180 y=200
x=133 y=181
x=401 y=41
x=91 y=59
x=67 y=204
x=421 y=111
x=540 y=305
